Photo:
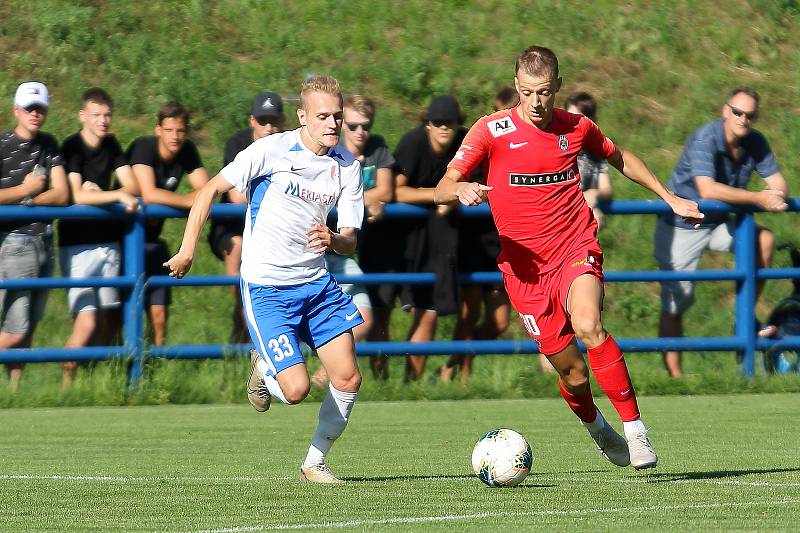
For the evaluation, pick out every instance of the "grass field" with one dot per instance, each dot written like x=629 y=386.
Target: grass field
x=726 y=463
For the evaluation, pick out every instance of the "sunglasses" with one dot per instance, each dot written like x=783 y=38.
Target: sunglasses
x=354 y=126
x=444 y=123
x=36 y=107
x=266 y=119
x=739 y=113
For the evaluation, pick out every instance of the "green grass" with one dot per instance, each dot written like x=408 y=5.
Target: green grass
x=192 y=468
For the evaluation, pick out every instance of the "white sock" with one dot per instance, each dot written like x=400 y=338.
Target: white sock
x=634 y=427
x=598 y=424
x=272 y=384
x=333 y=416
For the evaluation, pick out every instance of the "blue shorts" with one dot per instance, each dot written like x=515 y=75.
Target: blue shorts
x=279 y=317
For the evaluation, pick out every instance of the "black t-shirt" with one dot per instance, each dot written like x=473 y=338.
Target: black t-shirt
x=144 y=151
x=96 y=165
x=238 y=142
x=17 y=159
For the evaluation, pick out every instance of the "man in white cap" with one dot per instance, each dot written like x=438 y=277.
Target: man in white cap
x=31 y=173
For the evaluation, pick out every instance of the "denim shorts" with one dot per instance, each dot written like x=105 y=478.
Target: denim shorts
x=21 y=257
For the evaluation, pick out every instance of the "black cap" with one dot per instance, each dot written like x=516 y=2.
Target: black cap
x=443 y=107
x=267 y=105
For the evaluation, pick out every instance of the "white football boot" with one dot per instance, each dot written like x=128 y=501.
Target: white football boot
x=642 y=453
x=257 y=391
x=611 y=445
x=319 y=473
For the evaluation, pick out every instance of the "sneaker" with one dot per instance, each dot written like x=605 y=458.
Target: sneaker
x=642 y=453
x=319 y=473
x=612 y=446
x=257 y=391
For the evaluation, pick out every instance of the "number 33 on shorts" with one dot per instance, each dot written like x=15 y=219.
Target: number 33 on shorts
x=281 y=348
x=530 y=325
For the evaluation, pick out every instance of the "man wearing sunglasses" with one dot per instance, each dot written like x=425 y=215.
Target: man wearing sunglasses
x=225 y=238
x=31 y=173
x=716 y=164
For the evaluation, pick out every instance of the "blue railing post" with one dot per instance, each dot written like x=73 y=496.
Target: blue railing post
x=745 y=248
x=134 y=300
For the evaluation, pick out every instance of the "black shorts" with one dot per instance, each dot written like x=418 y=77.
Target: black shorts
x=478 y=248
x=155 y=255
x=380 y=250
x=220 y=239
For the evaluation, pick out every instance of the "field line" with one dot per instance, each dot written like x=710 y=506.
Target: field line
x=63 y=477
x=479 y=516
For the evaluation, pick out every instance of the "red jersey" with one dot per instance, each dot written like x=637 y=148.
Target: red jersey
x=536 y=198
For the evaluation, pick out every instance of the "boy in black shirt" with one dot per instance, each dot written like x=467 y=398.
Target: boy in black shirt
x=159 y=162
x=28 y=158
x=90 y=247
x=225 y=237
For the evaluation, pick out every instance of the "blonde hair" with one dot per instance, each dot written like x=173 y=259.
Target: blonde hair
x=319 y=84
x=361 y=105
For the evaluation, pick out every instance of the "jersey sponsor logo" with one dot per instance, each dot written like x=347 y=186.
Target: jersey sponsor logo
x=294 y=189
x=501 y=126
x=563 y=142
x=514 y=146
x=537 y=180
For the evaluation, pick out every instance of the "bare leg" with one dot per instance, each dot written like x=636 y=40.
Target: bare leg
x=423 y=329
x=14 y=370
x=233 y=261
x=468 y=316
x=82 y=332
x=671 y=326
x=158 y=315
x=380 y=333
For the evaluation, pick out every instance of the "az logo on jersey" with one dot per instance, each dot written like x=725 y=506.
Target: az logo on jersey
x=501 y=126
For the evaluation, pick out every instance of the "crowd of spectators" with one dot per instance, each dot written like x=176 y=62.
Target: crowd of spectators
x=91 y=168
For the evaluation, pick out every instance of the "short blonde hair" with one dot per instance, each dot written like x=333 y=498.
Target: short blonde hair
x=361 y=105
x=319 y=84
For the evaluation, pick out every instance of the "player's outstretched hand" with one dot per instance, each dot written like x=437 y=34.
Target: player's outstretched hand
x=320 y=238
x=688 y=210
x=179 y=265
x=472 y=193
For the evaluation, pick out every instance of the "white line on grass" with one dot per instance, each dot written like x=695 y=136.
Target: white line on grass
x=479 y=516
x=66 y=477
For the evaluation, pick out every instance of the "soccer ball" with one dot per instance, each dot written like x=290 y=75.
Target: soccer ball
x=502 y=458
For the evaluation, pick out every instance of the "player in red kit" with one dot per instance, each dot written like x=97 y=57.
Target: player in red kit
x=550 y=258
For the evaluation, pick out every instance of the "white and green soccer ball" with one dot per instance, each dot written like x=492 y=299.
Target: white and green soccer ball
x=502 y=458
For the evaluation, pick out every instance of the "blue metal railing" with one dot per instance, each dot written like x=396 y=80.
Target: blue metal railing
x=133 y=282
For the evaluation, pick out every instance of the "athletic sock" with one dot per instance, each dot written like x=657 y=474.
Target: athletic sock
x=333 y=416
x=598 y=424
x=583 y=405
x=608 y=365
x=633 y=427
x=272 y=384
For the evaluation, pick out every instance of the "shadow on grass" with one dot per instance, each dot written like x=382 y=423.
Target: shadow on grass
x=667 y=477
x=433 y=478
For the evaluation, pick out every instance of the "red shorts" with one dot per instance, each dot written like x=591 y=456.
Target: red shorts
x=542 y=303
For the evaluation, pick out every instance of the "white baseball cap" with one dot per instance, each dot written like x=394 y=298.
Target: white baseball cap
x=31 y=93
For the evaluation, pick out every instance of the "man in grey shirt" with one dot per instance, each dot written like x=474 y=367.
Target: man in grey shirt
x=28 y=158
x=716 y=164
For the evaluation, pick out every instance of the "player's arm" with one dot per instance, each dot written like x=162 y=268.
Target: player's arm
x=151 y=194
x=322 y=239
x=58 y=193
x=81 y=194
x=635 y=170
x=181 y=262
x=451 y=188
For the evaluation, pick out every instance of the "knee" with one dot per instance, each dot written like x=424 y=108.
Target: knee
x=296 y=392
x=349 y=382
x=575 y=377
x=587 y=326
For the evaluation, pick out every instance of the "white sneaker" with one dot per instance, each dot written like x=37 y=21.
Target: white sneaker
x=612 y=446
x=642 y=453
x=319 y=473
x=257 y=391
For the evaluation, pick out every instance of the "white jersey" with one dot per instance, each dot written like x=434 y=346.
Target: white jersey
x=289 y=188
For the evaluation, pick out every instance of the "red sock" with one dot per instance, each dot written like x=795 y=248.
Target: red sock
x=582 y=405
x=608 y=365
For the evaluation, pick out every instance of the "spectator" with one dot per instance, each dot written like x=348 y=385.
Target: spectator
x=225 y=237
x=595 y=181
x=88 y=248
x=159 y=162
x=31 y=173
x=422 y=157
x=480 y=258
x=716 y=164
x=376 y=251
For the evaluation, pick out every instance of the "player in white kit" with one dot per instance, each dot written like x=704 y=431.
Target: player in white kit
x=292 y=180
